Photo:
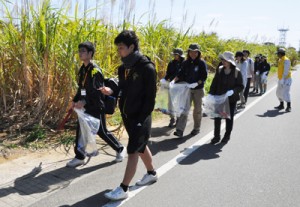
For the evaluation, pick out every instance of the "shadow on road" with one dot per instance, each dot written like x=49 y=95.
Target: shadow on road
x=95 y=200
x=271 y=113
x=161 y=131
x=167 y=144
x=34 y=182
x=205 y=152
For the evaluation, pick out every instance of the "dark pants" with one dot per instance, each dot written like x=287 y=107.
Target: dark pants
x=229 y=123
x=138 y=134
x=103 y=133
x=247 y=88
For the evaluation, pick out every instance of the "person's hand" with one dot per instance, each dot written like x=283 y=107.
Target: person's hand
x=106 y=91
x=192 y=85
x=163 y=81
x=171 y=83
x=79 y=105
x=281 y=82
x=257 y=73
x=229 y=93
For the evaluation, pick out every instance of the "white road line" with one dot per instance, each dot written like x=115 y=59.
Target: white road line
x=188 y=151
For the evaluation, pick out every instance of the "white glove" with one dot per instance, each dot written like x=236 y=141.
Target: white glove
x=281 y=82
x=163 y=81
x=192 y=85
x=229 y=93
x=171 y=83
x=257 y=73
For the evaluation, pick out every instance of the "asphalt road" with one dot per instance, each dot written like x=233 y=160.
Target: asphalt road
x=260 y=165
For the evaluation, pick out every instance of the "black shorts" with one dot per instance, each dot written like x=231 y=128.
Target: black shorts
x=138 y=135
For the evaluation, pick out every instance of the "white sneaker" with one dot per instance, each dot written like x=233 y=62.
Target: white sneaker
x=147 y=179
x=120 y=156
x=116 y=194
x=75 y=162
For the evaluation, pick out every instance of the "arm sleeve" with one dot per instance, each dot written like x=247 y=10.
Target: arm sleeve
x=181 y=72
x=213 y=86
x=287 y=66
x=251 y=66
x=150 y=92
x=168 y=71
x=94 y=93
x=203 y=75
x=239 y=86
x=77 y=96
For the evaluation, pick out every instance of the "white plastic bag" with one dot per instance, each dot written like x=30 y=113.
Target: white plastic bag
x=89 y=127
x=161 y=100
x=216 y=106
x=264 y=78
x=180 y=97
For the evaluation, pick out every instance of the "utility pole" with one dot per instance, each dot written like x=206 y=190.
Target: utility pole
x=282 y=36
x=85 y=8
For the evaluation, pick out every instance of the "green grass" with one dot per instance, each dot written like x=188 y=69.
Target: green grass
x=39 y=60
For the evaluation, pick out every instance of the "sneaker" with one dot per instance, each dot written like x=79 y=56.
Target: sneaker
x=279 y=107
x=225 y=140
x=117 y=194
x=178 y=133
x=215 y=140
x=195 y=132
x=147 y=179
x=172 y=123
x=75 y=162
x=120 y=156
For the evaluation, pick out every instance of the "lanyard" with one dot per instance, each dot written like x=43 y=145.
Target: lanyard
x=127 y=71
x=85 y=76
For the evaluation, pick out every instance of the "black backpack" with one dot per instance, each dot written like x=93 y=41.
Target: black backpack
x=110 y=102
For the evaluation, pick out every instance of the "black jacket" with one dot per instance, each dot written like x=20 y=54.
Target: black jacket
x=173 y=68
x=137 y=88
x=257 y=66
x=193 y=71
x=222 y=83
x=265 y=67
x=90 y=79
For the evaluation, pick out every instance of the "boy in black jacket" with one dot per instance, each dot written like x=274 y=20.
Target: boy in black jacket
x=137 y=84
x=88 y=97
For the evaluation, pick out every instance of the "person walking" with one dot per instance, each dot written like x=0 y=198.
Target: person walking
x=92 y=100
x=284 y=80
x=137 y=89
x=250 y=73
x=228 y=79
x=264 y=72
x=242 y=65
x=256 y=82
x=194 y=72
x=173 y=68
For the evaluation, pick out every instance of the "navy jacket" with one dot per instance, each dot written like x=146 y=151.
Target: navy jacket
x=193 y=71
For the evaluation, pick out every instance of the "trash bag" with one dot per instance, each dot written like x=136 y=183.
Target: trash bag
x=161 y=100
x=89 y=127
x=216 y=106
x=180 y=99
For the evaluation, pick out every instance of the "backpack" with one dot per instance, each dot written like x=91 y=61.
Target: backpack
x=110 y=102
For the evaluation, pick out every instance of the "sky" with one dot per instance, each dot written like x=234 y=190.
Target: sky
x=253 y=21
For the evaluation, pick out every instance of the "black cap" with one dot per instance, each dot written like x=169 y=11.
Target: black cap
x=178 y=51
x=194 y=47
